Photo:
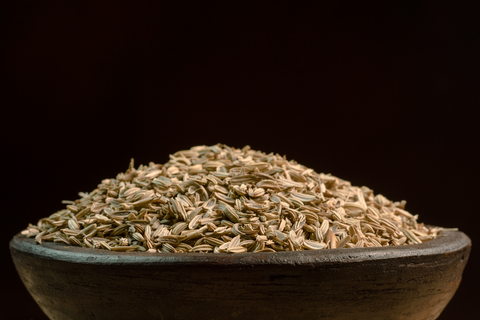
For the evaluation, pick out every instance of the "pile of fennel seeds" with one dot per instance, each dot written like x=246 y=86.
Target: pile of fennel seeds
x=221 y=199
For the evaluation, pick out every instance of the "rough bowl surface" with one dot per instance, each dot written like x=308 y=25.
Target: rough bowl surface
x=405 y=282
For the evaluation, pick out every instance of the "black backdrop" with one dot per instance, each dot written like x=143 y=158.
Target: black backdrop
x=382 y=95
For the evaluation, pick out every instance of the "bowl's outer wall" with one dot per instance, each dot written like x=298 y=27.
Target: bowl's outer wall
x=407 y=286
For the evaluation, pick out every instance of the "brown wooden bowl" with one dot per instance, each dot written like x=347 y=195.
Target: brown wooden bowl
x=403 y=282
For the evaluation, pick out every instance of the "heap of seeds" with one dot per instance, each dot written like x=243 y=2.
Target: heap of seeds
x=222 y=199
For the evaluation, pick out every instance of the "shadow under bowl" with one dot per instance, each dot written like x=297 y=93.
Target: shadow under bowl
x=402 y=282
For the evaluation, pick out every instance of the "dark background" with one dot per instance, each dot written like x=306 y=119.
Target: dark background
x=382 y=95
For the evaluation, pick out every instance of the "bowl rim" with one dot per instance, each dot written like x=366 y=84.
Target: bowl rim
x=447 y=242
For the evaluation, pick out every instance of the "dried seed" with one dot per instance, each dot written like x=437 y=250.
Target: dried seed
x=202 y=247
x=230 y=213
x=168 y=248
x=39 y=236
x=313 y=245
x=72 y=225
x=236 y=249
x=75 y=241
x=137 y=236
x=280 y=203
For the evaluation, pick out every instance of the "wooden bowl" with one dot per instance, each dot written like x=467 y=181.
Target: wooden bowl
x=403 y=282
